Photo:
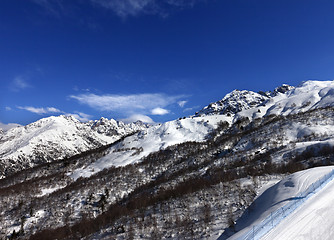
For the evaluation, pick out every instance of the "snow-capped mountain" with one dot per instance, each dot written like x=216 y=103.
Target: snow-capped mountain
x=150 y=140
x=188 y=178
x=55 y=138
x=237 y=101
x=284 y=100
x=281 y=89
x=58 y=137
x=307 y=96
x=111 y=127
x=234 y=106
x=234 y=102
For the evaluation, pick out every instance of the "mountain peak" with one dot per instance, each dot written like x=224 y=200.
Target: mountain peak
x=233 y=103
x=282 y=89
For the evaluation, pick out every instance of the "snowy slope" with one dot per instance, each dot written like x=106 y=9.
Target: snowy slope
x=111 y=127
x=234 y=102
x=313 y=220
x=284 y=100
x=273 y=138
x=313 y=216
x=155 y=138
x=58 y=137
x=307 y=96
x=238 y=101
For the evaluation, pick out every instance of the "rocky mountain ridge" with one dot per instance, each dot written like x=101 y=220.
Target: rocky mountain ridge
x=58 y=137
x=237 y=101
x=64 y=136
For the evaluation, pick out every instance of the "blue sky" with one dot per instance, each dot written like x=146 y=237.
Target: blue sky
x=154 y=60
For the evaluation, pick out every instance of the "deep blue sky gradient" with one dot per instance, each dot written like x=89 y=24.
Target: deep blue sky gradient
x=197 y=53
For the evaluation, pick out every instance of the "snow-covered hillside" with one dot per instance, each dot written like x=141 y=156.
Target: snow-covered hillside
x=283 y=100
x=111 y=127
x=153 y=139
x=238 y=104
x=233 y=103
x=307 y=96
x=57 y=137
x=188 y=178
x=311 y=216
x=312 y=220
x=238 y=101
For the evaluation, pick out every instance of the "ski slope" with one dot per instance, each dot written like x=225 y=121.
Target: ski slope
x=298 y=207
x=312 y=220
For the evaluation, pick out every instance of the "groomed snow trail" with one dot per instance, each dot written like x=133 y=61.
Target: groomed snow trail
x=314 y=219
x=289 y=209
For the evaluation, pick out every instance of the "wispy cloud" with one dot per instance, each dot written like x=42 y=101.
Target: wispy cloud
x=125 y=8
x=138 y=117
x=122 y=8
x=40 y=110
x=133 y=103
x=8 y=108
x=6 y=127
x=83 y=117
x=19 y=83
x=182 y=103
x=52 y=110
x=159 y=111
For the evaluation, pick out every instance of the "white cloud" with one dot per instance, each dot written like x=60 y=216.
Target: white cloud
x=159 y=111
x=6 y=127
x=8 y=108
x=40 y=110
x=19 y=83
x=53 y=110
x=127 y=104
x=138 y=117
x=182 y=103
x=83 y=117
x=124 y=8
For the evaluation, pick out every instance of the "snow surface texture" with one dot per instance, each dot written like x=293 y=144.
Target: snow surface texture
x=313 y=220
x=286 y=210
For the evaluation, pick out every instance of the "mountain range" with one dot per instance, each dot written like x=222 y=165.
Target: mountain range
x=193 y=177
